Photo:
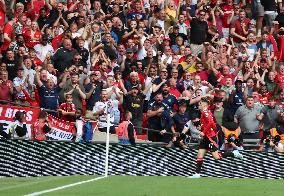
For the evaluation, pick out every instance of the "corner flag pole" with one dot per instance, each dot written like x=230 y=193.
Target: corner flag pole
x=107 y=143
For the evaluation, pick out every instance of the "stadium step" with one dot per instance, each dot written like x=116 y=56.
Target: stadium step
x=100 y=137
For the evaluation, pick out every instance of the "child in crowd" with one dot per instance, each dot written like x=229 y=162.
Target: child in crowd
x=67 y=109
x=41 y=127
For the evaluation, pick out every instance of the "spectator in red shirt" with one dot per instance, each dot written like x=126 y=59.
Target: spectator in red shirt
x=33 y=35
x=41 y=127
x=8 y=32
x=34 y=7
x=239 y=28
x=6 y=87
x=228 y=10
x=201 y=72
x=67 y=110
x=32 y=98
x=263 y=95
x=222 y=76
x=280 y=76
x=20 y=10
x=2 y=12
x=280 y=100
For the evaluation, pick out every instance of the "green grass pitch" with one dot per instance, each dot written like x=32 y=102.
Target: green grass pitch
x=142 y=186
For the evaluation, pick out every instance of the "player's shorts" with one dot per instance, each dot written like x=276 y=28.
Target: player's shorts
x=209 y=144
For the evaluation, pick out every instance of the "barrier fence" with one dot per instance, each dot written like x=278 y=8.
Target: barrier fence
x=27 y=158
x=34 y=108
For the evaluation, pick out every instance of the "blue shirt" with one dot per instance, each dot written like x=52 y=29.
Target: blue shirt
x=171 y=100
x=96 y=95
x=49 y=98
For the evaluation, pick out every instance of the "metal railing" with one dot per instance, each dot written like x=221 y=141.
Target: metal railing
x=85 y=117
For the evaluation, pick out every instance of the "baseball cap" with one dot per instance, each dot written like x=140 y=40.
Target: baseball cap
x=176 y=26
x=129 y=50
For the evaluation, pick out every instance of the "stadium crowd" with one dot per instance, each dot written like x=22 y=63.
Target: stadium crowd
x=155 y=59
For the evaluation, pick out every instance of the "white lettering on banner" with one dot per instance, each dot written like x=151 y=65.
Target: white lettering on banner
x=1 y=110
x=60 y=124
x=29 y=115
x=58 y=134
x=10 y=113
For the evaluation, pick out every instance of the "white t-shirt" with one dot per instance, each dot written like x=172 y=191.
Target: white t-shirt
x=31 y=74
x=169 y=61
x=113 y=95
x=161 y=23
x=110 y=107
x=17 y=83
x=147 y=83
x=42 y=51
x=142 y=53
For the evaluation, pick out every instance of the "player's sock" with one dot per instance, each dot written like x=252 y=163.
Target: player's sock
x=199 y=162
x=227 y=154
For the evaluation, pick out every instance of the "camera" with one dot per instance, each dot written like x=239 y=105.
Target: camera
x=267 y=141
x=233 y=139
x=275 y=140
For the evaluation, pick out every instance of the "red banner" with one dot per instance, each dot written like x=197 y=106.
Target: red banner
x=7 y=113
x=61 y=130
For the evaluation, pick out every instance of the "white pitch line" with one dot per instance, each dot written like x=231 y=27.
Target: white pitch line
x=64 y=187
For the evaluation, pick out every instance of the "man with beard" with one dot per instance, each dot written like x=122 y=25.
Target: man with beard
x=168 y=98
x=12 y=64
x=237 y=28
x=269 y=115
x=43 y=48
x=149 y=59
x=158 y=82
x=49 y=93
x=14 y=46
x=133 y=102
x=42 y=19
x=180 y=119
x=236 y=98
x=74 y=87
x=102 y=108
x=159 y=121
x=93 y=89
x=127 y=62
x=63 y=56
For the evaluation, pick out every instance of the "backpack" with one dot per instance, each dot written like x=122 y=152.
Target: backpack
x=88 y=132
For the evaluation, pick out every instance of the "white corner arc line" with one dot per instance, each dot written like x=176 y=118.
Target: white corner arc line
x=65 y=186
